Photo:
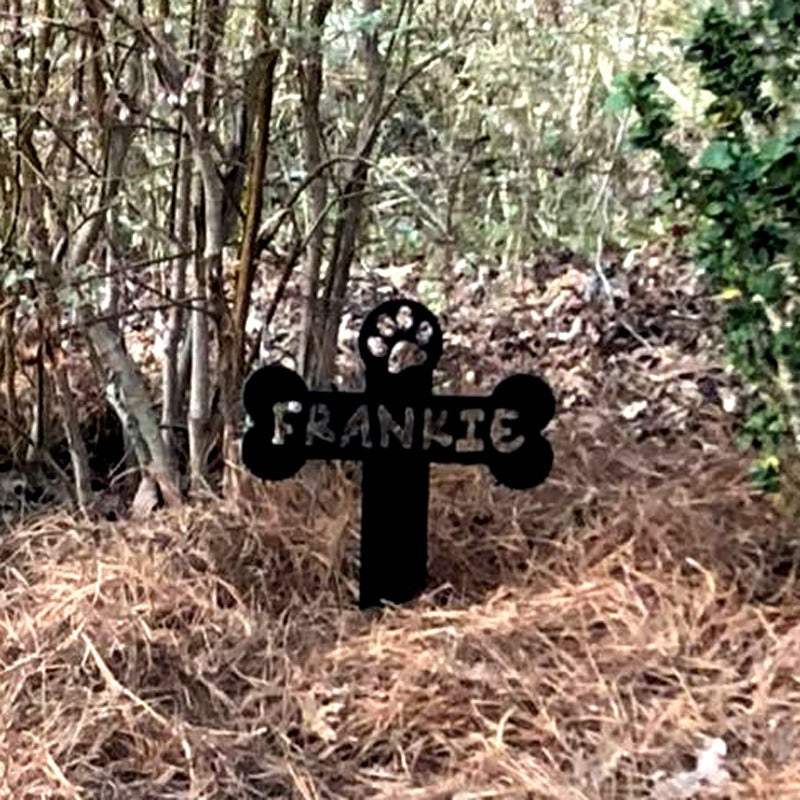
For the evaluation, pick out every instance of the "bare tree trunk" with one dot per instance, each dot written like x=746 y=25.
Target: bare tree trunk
x=351 y=206
x=77 y=447
x=132 y=437
x=184 y=376
x=197 y=113
x=233 y=360
x=255 y=182
x=348 y=227
x=9 y=373
x=210 y=265
x=105 y=339
x=310 y=74
x=136 y=399
x=41 y=410
x=199 y=378
x=110 y=304
x=171 y=389
x=61 y=248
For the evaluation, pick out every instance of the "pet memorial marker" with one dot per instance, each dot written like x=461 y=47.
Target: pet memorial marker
x=396 y=428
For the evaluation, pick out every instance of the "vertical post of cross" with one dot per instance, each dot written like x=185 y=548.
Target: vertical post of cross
x=394 y=517
x=394 y=495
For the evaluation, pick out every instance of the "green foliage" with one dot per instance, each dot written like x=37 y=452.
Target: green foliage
x=743 y=196
x=503 y=139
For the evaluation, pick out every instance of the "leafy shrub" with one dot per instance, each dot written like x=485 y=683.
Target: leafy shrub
x=742 y=195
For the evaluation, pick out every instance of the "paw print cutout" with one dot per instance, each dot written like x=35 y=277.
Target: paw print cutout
x=400 y=341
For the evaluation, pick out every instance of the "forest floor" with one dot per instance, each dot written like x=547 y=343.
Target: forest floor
x=583 y=640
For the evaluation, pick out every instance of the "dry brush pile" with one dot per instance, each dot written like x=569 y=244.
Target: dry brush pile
x=583 y=640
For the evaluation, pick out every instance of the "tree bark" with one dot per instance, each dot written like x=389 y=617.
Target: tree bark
x=311 y=76
x=198 y=418
x=233 y=360
x=77 y=447
x=171 y=388
x=136 y=399
x=209 y=266
x=9 y=372
x=351 y=206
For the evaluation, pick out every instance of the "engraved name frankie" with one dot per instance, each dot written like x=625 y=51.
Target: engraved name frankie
x=441 y=428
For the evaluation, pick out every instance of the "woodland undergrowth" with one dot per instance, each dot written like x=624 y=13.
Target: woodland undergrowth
x=582 y=640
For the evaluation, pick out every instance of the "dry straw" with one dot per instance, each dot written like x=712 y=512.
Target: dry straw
x=581 y=641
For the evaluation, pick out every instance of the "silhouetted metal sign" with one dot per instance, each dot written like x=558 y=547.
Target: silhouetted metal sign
x=396 y=428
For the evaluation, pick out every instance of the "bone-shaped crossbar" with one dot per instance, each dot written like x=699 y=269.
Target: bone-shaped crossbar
x=293 y=424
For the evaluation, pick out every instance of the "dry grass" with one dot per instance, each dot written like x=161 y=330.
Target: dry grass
x=576 y=641
x=581 y=641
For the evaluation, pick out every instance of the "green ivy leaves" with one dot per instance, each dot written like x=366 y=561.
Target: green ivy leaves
x=743 y=192
x=718 y=155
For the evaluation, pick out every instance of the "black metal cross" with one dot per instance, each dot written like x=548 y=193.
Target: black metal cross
x=396 y=428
